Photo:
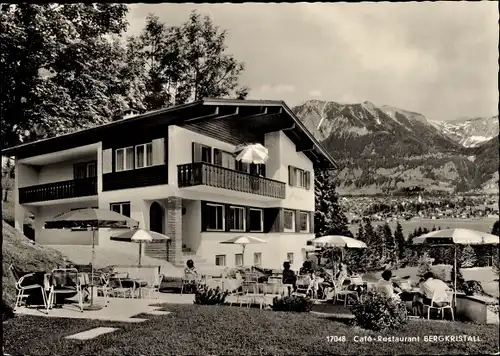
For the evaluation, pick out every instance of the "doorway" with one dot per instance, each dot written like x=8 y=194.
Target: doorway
x=156 y=218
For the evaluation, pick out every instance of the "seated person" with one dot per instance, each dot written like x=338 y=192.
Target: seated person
x=433 y=288
x=306 y=268
x=191 y=273
x=385 y=286
x=341 y=275
x=289 y=275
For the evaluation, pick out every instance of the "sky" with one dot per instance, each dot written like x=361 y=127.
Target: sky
x=436 y=58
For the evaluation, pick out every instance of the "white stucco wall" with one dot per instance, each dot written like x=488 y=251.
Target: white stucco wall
x=61 y=171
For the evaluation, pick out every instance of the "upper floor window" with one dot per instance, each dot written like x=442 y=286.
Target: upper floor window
x=144 y=155
x=256 y=220
x=289 y=220
x=85 y=170
x=202 y=153
x=121 y=208
x=124 y=159
x=299 y=178
x=215 y=216
x=237 y=218
x=304 y=222
x=224 y=159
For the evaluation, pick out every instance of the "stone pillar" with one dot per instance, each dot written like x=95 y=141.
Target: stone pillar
x=174 y=229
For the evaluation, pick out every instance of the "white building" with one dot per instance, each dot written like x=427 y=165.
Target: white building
x=173 y=170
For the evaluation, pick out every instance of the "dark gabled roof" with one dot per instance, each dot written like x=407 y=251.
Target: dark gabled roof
x=175 y=115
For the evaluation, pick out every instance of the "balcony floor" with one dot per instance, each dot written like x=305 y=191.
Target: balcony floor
x=198 y=192
x=90 y=199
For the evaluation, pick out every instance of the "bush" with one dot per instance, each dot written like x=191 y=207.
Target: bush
x=471 y=287
x=468 y=257
x=376 y=312
x=293 y=303
x=204 y=296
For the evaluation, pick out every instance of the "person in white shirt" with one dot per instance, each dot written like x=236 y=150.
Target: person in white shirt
x=432 y=288
x=385 y=286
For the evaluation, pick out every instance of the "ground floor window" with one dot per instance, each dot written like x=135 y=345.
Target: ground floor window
x=257 y=258
x=216 y=219
x=220 y=260
x=121 y=208
x=236 y=218
x=289 y=257
x=256 y=220
x=304 y=222
x=238 y=259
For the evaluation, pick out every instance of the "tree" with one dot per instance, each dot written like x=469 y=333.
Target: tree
x=59 y=68
x=468 y=257
x=390 y=243
x=329 y=217
x=400 y=241
x=424 y=264
x=185 y=63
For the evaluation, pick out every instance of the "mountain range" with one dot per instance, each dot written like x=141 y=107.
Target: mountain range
x=383 y=149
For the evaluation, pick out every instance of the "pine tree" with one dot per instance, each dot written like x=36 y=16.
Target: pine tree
x=496 y=228
x=468 y=257
x=400 y=241
x=329 y=217
x=390 y=244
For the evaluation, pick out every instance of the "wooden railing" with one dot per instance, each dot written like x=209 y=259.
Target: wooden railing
x=201 y=173
x=58 y=190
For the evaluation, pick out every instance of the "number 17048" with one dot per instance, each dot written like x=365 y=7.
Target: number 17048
x=336 y=338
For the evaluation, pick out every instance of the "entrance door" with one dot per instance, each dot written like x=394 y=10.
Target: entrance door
x=156 y=218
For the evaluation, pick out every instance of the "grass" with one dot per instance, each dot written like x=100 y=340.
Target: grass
x=208 y=330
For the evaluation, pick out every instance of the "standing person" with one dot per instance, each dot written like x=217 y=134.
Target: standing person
x=289 y=276
x=191 y=274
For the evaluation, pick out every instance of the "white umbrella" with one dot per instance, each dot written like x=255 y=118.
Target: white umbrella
x=456 y=237
x=339 y=241
x=252 y=153
x=140 y=236
x=243 y=241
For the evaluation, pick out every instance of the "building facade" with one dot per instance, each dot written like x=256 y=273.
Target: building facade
x=174 y=171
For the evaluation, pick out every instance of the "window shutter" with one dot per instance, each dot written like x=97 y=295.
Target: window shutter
x=247 y=227
x=297 y=220
x=227 y=211
x=281 y=221
x=158 y=151
x=263 y=170
x=311 y=222
x=107 y=161
x=217 y=157
x=271 y=219
x=196 y=152
x=308 y=179
x=204 y=216
x=292 y=176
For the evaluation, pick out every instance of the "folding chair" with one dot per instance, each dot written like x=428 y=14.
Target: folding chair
x=344 y=293
x=249 y=293
x=153 y=287
x=445 y=302
x=65 y=281
x=190 y=282
x=302 y=283
x=22 y=289
x=116 y=287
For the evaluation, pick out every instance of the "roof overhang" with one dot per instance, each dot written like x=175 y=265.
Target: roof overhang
x=273 y=115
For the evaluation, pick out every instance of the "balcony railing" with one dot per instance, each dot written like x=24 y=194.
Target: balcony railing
x=201 y=173
x=58 y=190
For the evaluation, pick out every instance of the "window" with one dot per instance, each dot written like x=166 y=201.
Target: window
x=220 y=260
x=238 y=259
x=206 y=154
x=124 y=159
x=289 y=220
x=256 y=223
x=289 y=257
x=85 y=170
x=257 y=258
x=236 y=218
x=299 y=178
x=242 y=167
x=224 y=159
x=304 y=222
x=215 y=217
x=144 y=155
x=121 y=208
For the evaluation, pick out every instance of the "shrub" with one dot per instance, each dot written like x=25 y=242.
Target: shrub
x=204 y=296
x=468 y=257
x=471 y=287
x=293 y=303
x=376 y=312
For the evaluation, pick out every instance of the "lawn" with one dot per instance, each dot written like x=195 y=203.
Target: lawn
x=209 y=330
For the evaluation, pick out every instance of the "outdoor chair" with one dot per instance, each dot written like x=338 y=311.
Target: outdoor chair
x=22 y=289
x=440 y=303
x=101 y=285
x=303 y=282
x=153 y=286
x=65 y=281
x=117 y=287
x=248 y=294
x=342 y=293
x=189 y=282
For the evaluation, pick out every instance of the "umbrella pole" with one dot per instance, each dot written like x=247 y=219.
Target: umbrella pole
x=92 y=306
x=243 y=255
x=140 y=254
x=455 y=278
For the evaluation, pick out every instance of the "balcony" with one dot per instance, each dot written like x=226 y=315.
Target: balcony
x=58 y=190
x=200 y=173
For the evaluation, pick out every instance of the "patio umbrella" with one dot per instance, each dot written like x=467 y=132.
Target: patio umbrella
x=454 y=237
x=140 y=236
x=93 y=219
x=243 y=241
x=338 y=241
x=252 y=153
